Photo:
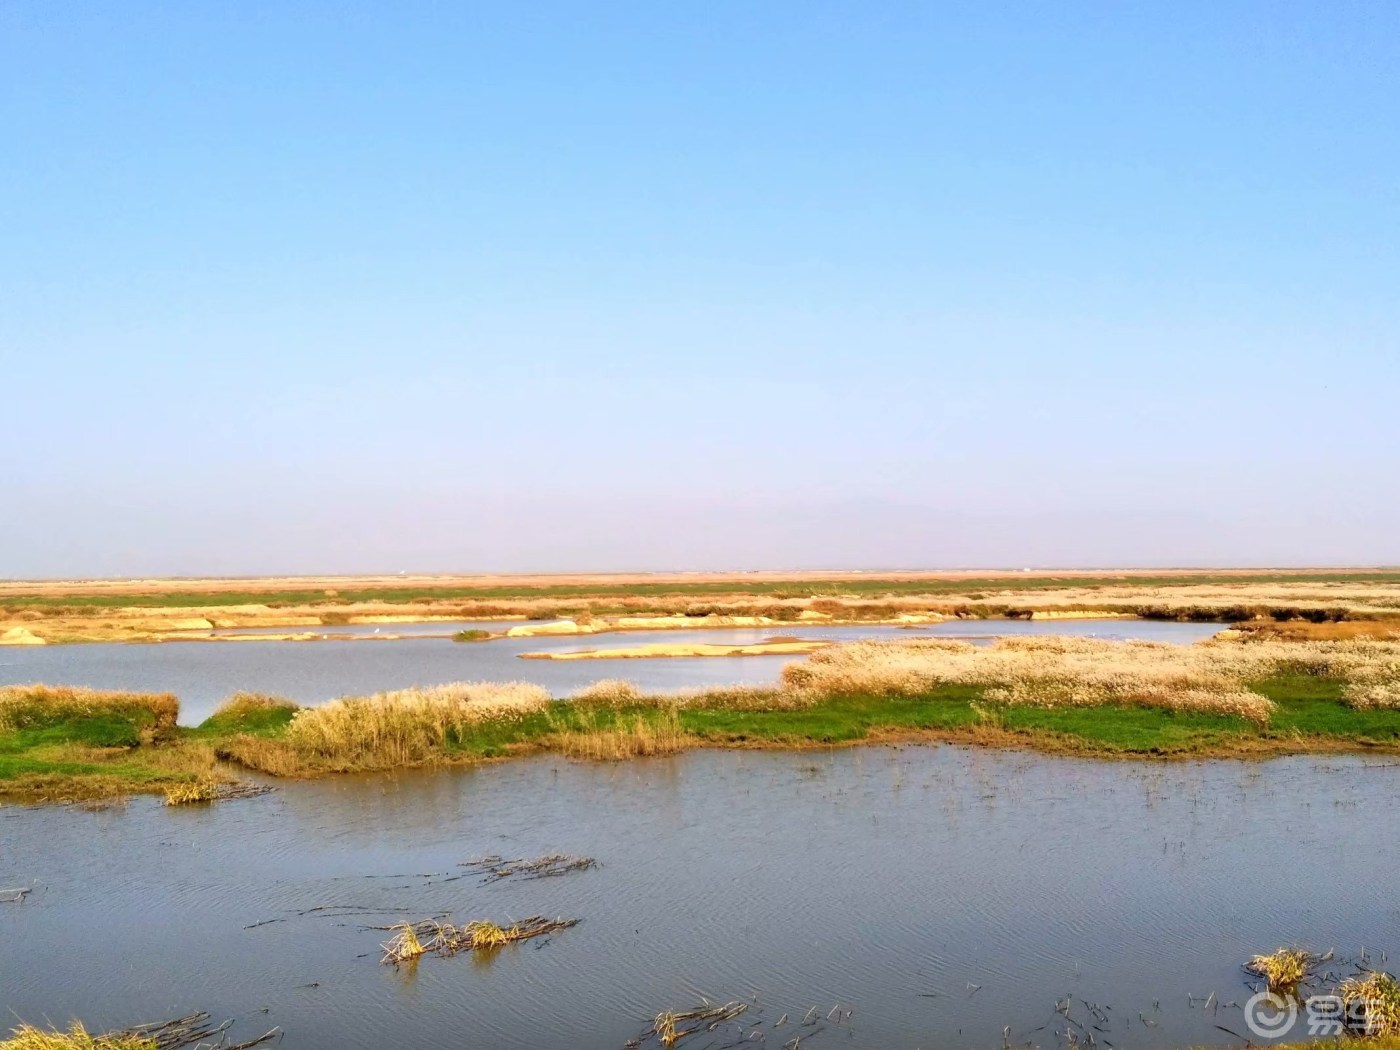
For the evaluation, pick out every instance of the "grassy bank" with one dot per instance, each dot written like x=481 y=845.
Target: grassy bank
x=1058 y=695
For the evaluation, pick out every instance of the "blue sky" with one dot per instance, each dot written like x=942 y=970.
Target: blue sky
x=368 y=287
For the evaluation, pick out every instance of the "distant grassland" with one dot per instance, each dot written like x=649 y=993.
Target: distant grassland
x=777 y=589
x=61 y=612
x=1231 y=698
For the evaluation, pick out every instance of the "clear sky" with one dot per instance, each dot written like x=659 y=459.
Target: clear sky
x=342 y=287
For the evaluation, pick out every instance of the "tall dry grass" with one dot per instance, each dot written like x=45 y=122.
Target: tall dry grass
x=627 y=737
x=408 y=726
x=620 y=693
x=27 y=1037
x=1374 y=997
x=610 y=692
x=1210 y=677
x=1374 y=695
x=1041 y=672
x=271 y=756
x=22 y=706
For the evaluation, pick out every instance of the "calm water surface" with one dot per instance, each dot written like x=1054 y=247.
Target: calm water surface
x=938 y=893
x=202 y=674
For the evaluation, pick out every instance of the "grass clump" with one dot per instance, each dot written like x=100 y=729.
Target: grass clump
x=194 y=1030
x=587 y=735
x=60 y=743
x=471 y=634
x=1284 y=970
x=102 y=718
x=671 y=1026
x=610 y=692
x=405 y=946
x=27 y=1037
x=1374 y=1000
x=408 y=726
x=250 y=713
x=412 y=941
x=192 y=791
x=271 y=755
x=1374 y=695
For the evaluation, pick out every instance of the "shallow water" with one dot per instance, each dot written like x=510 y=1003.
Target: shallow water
x=202 y=674
x=939 y=893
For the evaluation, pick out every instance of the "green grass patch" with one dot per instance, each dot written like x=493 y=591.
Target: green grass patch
x=839 y=719
x=248 y=713
x=1313 y=706
x=14 y=766
x=497 y=739
x=1130 y=729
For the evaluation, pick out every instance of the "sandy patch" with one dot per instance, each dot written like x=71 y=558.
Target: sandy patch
x=1079 y=614
x=536 y=630
x=20 y=636
x=796 y=647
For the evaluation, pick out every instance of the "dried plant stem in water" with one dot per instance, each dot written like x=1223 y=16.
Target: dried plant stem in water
x=495 y=868
x=430 y=937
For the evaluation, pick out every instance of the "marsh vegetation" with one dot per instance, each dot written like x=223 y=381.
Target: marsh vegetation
x=1241 y=695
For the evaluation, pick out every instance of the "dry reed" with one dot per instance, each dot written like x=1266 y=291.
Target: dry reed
x=209 y=789
x=1372 y=999
x=194 y=1030
x=671 y=1026
x=414 y=940
x=1284 y=969
x=610 y=692
x=409 y=725
x=27 y=1037
x=193 y=791
x=628 y=737
x=1209 y=677
x=274 y=757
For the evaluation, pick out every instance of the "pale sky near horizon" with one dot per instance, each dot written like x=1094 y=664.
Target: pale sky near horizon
x=315 y=287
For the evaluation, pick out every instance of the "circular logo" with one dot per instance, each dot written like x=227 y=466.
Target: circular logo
x=1270 y=1016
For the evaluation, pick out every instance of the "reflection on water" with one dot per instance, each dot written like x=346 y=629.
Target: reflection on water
x=202 y=674
x=938 y=893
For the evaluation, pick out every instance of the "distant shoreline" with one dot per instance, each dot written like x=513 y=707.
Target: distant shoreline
x=308 y=608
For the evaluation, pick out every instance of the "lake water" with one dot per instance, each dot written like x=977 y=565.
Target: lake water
x=939 y=894
x=202 y=674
